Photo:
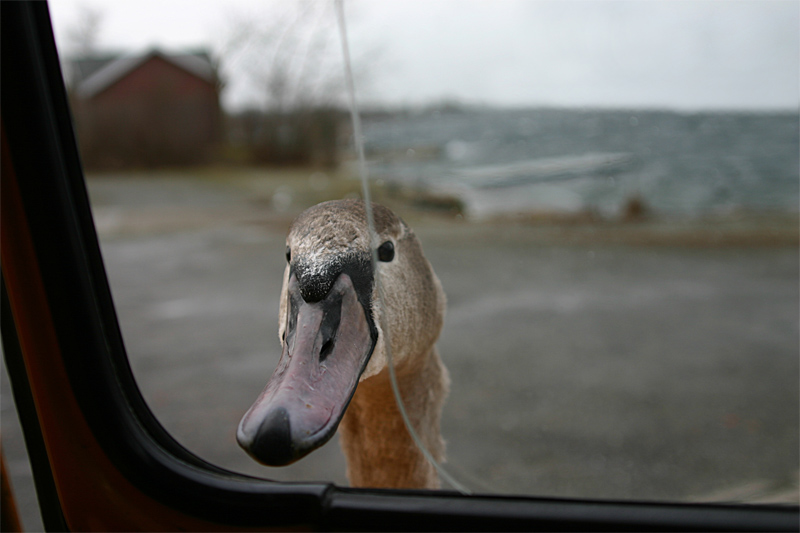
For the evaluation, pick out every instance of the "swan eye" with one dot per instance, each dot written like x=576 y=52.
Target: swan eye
x=288 y=254
x=386 y=252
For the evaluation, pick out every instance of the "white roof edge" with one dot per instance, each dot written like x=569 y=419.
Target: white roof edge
x=117 y=69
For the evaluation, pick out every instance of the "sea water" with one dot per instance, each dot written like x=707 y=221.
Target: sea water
x=555 y=160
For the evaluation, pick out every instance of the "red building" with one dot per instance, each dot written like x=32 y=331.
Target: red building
x=145 y=110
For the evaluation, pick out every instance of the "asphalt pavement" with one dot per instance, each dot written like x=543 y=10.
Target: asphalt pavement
x=578 y=370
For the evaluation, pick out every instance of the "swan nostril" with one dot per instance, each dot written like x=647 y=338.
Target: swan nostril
x=326 y=350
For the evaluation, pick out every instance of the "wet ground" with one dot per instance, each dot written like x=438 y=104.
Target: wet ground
x=583 y=364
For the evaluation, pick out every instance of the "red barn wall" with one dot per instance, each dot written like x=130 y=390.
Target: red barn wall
x=157 y=114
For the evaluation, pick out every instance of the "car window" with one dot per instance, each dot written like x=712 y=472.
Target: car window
x=613 y=220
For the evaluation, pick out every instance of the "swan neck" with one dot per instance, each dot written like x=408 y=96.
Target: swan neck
x=379 y=450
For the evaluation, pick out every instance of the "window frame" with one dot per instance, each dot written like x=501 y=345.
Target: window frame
x=90 y=435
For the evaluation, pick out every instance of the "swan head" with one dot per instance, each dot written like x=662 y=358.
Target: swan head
x=331 y=326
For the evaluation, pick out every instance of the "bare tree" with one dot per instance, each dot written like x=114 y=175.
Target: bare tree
x=291 y=58
x=83 y=34
x=290 y=55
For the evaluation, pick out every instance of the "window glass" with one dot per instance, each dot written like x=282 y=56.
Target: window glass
x=608 y=192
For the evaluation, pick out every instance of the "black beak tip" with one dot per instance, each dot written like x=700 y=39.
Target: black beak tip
x=272 y=445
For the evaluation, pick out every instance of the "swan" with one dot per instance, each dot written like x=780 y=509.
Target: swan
x=333 y=368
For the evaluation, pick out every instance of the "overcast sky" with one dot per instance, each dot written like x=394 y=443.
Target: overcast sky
x=685 y=55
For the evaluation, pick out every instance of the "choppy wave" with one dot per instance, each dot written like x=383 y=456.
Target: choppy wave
x=569 y=160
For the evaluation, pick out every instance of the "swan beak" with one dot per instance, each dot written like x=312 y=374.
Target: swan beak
x=326 y=347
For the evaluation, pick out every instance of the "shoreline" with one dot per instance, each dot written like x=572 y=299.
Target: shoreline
x=751 y=231
x=126 y=204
